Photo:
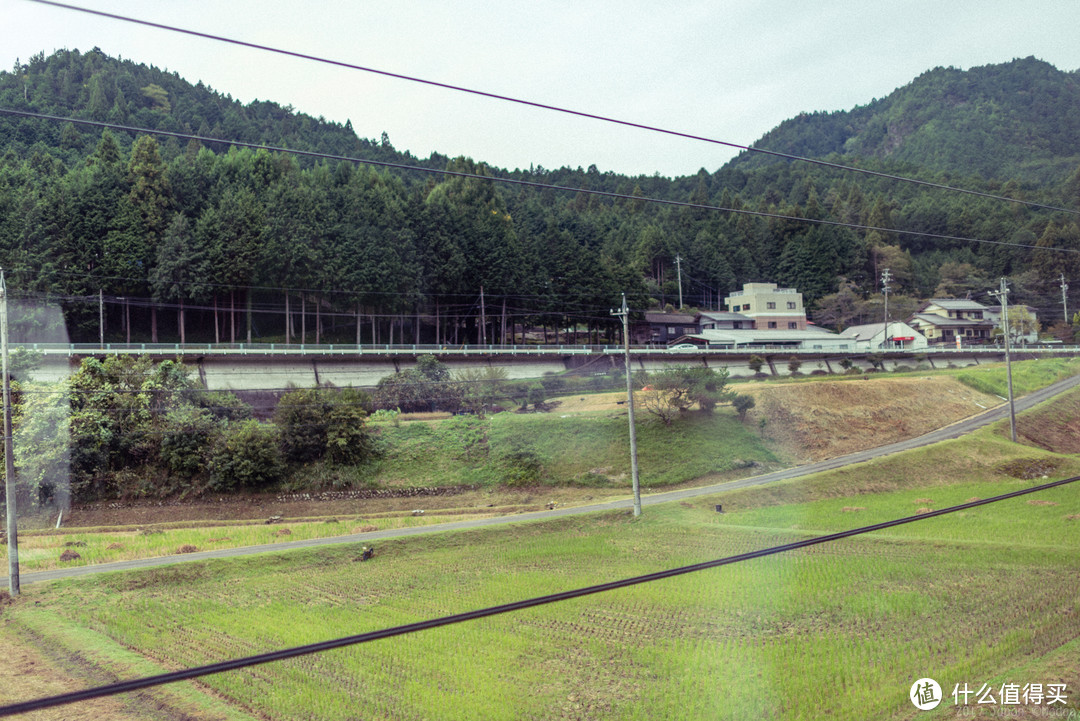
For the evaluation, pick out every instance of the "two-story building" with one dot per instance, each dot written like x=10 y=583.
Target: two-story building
x=720 y=320
x=945 y=321
x=1024 y=320
x=770 y=307
x=661 y=328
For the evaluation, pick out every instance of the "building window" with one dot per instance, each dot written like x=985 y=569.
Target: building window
x=791 y=305
x=746 y=307
x=737 y=325
x=792 y=325
x=772 y=323
x=771 y=306
x=671 y=330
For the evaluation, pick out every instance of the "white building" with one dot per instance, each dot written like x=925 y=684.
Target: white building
x=765 y=339
x=872 y=336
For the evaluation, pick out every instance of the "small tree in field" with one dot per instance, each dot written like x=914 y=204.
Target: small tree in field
x=743 y=403
x=794 y=364
x=675 y=389
x=755 y=362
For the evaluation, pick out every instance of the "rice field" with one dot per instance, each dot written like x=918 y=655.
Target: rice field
x=838 y=631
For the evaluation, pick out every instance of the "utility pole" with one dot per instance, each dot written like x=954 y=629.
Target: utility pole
x=1064 y=299
x=1003 y=296
x=9 y=451
x=678 y=267
x=624 y=313
x=885 y=278
x=483 y=319
x=101 y=318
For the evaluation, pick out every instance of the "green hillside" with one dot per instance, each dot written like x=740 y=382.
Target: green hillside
x=195 y=241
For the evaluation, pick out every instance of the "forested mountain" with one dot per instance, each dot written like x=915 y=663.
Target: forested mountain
x=1017 y=121
x=203 y=241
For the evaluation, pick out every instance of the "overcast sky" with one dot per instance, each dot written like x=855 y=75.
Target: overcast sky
x=725 y=70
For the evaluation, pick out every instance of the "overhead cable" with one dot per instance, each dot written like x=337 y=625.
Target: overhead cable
x=527 y=183
x=542 y=106
x=238 y=663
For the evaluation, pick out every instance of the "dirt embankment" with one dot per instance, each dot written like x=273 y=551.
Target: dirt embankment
x=814 y=421
x=1056 y=427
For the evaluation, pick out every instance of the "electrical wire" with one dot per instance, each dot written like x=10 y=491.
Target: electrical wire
x=542 y=106
x=529 y=183
x=282 y=654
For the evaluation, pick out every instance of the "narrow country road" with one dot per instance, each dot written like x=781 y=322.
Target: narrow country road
x=948 y=432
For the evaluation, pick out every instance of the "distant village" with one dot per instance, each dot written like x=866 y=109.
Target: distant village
x=763 y=315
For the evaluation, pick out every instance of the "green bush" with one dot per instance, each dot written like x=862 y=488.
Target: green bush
x=189 y=434
x=743 y=403
x=247 y=456
x=301 y=418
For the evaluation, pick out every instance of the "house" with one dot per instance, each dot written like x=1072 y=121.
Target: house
x=770 y=307
x=876 y=336
x=719 y=320
x=766 y=339
x=661 y=328
x=1024 y=320
x=952 y=320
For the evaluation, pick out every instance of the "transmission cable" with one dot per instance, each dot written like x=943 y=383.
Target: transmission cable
x=529 y=183
x=282 y=654
x=543 y=106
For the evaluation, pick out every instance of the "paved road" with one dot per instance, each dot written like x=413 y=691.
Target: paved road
x=952 y=431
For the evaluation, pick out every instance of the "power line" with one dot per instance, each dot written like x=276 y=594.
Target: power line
x=543 y=106
x=527 y=183
x=234 y=664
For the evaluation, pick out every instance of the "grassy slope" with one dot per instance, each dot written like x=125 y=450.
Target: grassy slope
x=983 y=597
x=588 y=449
x=969 y=598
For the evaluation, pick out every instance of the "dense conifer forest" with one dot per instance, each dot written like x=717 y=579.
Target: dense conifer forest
x=200 y=241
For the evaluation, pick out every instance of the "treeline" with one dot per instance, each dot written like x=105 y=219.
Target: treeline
x=207 y=243
x=127 y=427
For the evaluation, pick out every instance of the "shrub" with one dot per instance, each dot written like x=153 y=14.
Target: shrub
x=743 y=403
x=247 y=456
x=301 y=419
x=348 y=440
x=755 y=363
x=189 y=435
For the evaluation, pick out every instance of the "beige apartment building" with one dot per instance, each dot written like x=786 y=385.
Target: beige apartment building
x=772 y=308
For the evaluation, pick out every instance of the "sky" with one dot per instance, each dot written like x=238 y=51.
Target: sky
x=728 y=71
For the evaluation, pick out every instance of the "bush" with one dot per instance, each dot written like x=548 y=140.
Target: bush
x=247 y=456
x=189 y=435
x=348 y=440
x=318 y=422
x=301 y=419
x=755 y=363
x=743 y=403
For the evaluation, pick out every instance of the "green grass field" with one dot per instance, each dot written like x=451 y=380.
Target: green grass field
x=837 y=631
x=587 y=449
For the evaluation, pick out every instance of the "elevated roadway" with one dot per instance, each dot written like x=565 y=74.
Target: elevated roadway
x=274 y=366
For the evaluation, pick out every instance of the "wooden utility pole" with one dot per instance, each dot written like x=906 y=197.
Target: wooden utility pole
x=9 y=450
x=885 y=278
x=1065 y=299
x=1002 y=294
x=678 y=267
x=624 y=313
x=483 y=319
